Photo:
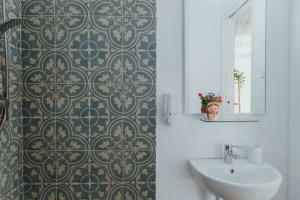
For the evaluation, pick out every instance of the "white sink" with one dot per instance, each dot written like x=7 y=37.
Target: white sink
x=239 y=181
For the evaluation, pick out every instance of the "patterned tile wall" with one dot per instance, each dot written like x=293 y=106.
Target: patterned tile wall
x=89 y=99
x=11 y=155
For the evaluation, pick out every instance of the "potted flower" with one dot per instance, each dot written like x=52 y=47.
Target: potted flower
x=210 y=104
x=204 y=102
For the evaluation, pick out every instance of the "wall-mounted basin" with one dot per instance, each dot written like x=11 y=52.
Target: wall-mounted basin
x=239 y=181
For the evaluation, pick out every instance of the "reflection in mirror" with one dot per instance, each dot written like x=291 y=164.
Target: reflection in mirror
x=225 y=54
x=242 y=60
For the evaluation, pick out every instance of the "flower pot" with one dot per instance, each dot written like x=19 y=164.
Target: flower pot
x=204 y=108
x=212 y=111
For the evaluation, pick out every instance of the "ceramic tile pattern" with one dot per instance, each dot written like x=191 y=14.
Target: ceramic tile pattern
x=89 y=99
x=11 y=150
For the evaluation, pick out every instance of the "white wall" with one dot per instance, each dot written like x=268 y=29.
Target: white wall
x=188 y=137
x=208 y=15
x=294 y=154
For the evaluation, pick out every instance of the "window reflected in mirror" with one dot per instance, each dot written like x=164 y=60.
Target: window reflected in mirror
x=242 y=60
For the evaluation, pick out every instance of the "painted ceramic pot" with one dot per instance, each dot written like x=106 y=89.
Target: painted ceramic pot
x=204 y=108
x=212 y=111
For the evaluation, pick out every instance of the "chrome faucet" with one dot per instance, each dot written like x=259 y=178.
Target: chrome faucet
x=229 y=154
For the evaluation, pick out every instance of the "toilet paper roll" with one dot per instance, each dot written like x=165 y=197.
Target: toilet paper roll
x=255 y=154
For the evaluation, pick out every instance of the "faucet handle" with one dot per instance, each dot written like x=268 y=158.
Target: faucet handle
x=230 y=147
x=229 y=154
x=235 y=155
x=227 y=147
x=237 y=146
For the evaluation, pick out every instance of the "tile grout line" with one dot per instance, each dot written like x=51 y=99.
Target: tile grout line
x=56 y=96
x=89 y=101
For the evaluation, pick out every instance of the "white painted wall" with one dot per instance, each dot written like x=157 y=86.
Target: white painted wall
x=294 y=154
x=203 y=43
x=188 y=137
x=259 y=54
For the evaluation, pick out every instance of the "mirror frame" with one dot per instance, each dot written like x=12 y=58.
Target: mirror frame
x=234 y=117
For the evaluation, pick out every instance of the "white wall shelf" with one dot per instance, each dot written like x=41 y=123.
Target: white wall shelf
x=230 y=118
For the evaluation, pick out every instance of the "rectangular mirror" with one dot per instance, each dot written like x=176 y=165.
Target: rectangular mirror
x=225 y=53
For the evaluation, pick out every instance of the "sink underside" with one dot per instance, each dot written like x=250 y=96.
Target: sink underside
x=239 y=181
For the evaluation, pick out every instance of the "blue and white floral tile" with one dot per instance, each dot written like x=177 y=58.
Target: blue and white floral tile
x=43 y=66
x=72 y=66
x=146 y=110
x=106 y=167
x=140 y=190
x=1 y=11
x=139 y=33
x=41 y=191
x=71 y=32
x=39 y=167
x=107 y=99
x=13 y=37
x=13 y=64
x=98 y=124
x=139 y=166
x=72 y=167
x=10 y=174
x=109 y=139
x=38 y=33
x=140 y=8
x=136 y=137
x=2 y=64
x=6 y=196
x=15 y=166
x=107 y=191
x=147 y=124
x=72 y=100
x=38 y=100
x=72 y=7
x=138 y=99
x=139 y=67
x=38 y=66
x=37 y=7
x=106 y=32
x=12 y=8
x=16 y=134
x=73 y=191
x=72 y=134
x=106 y=7
x=5 y=178
x=17 y=194
x=39 y=134
x=10 y=142
x=15 y=96
x=99 y=92
x=14 y=73
x=106 y=66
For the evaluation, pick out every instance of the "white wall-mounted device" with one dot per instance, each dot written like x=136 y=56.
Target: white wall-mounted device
x=169 y=108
